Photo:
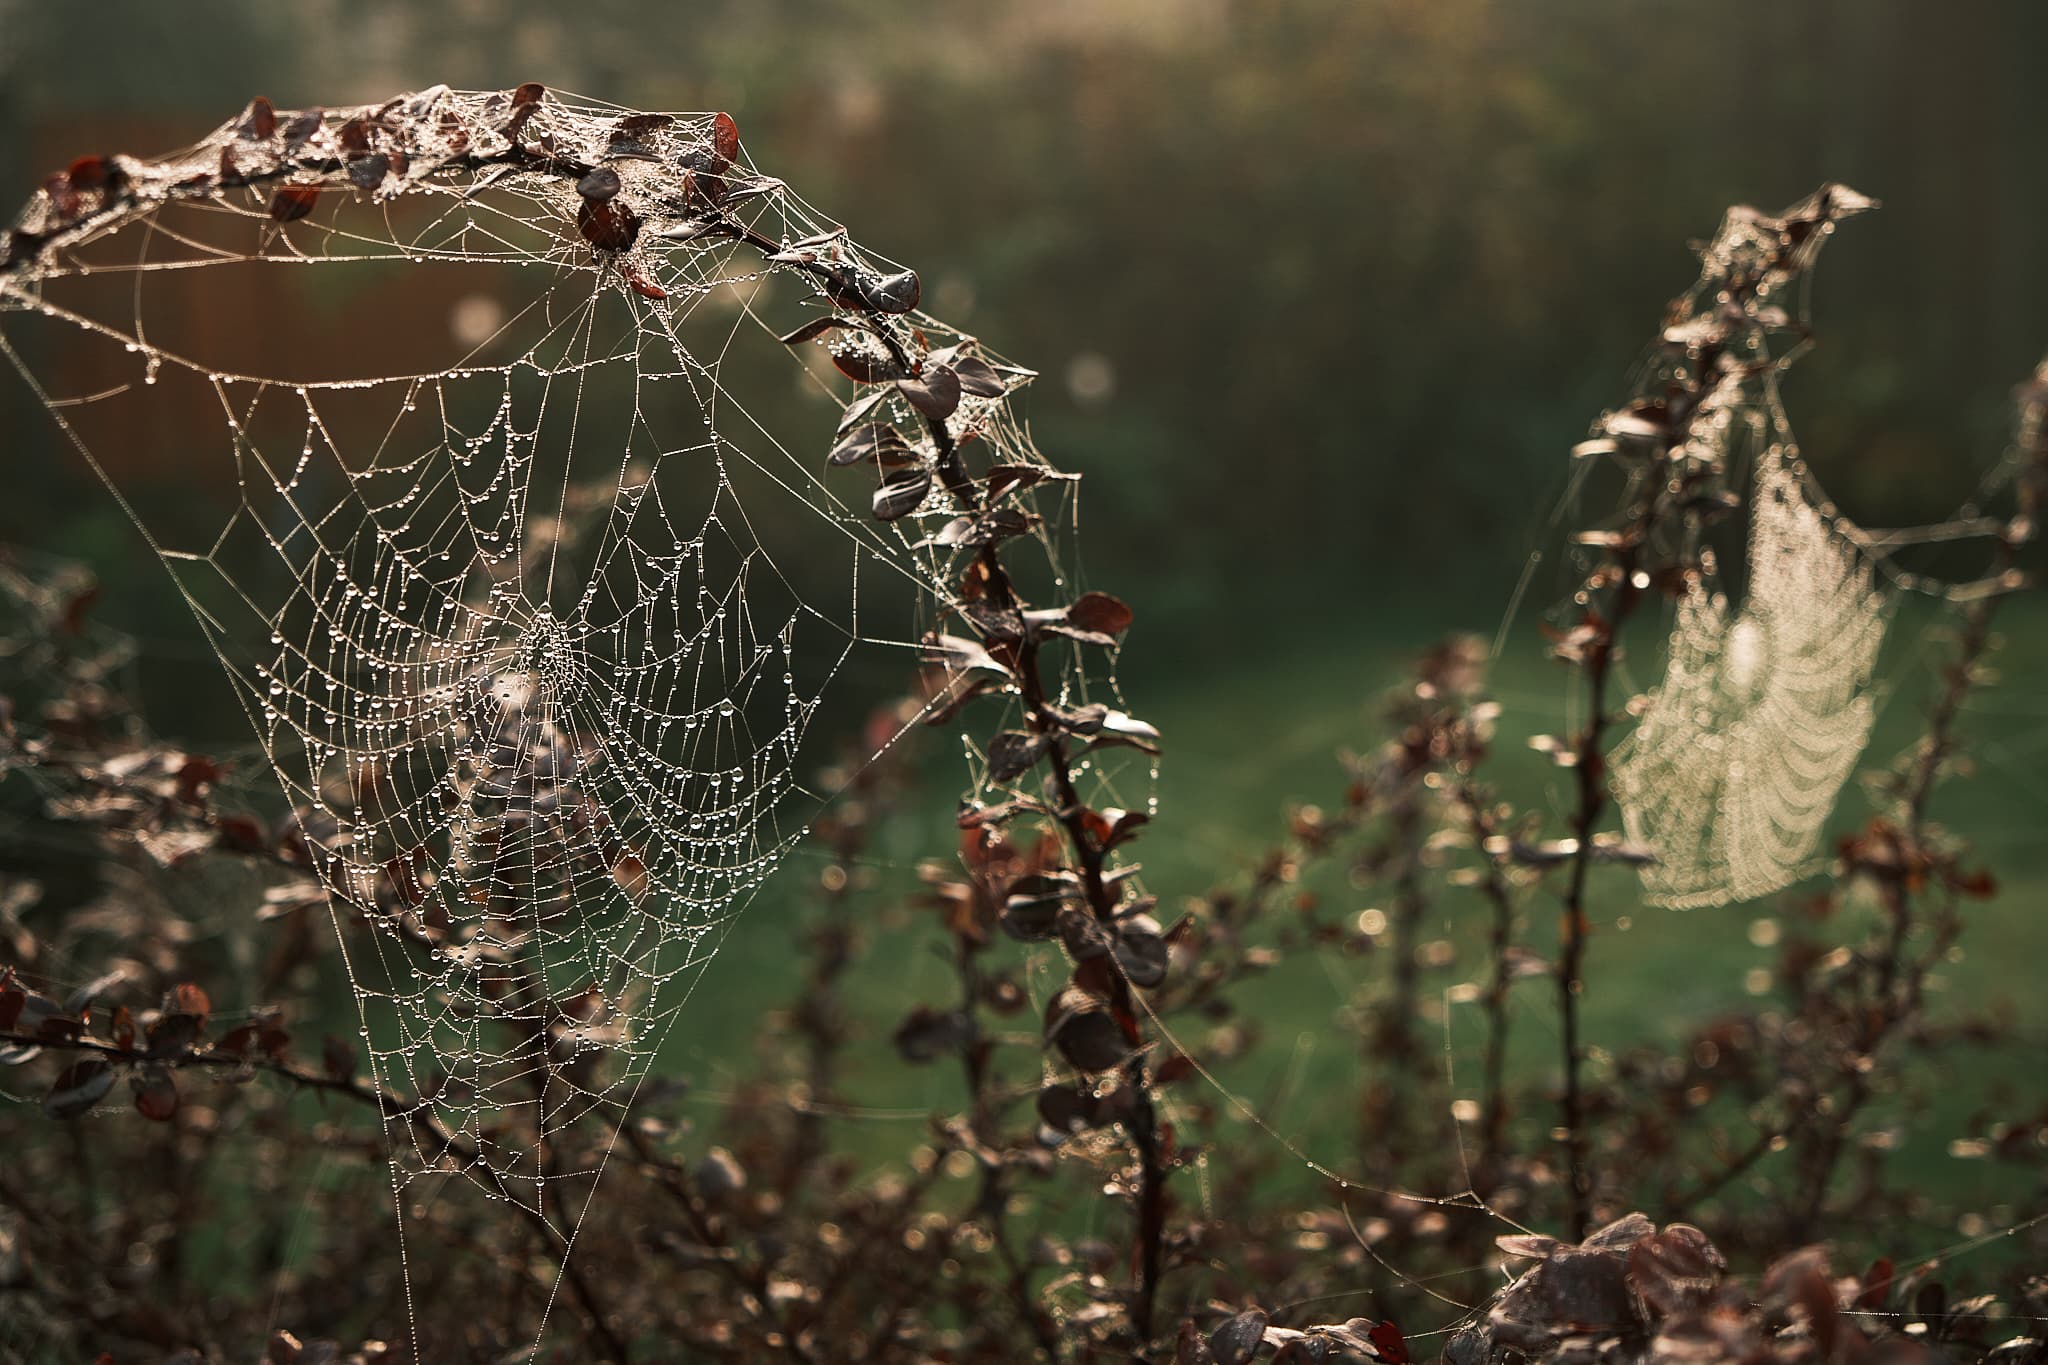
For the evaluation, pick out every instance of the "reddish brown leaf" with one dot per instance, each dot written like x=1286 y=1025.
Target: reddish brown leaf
x=902 y=492
x=891 y=293
x=78 y=1088
x=815 y=328
x=1098 y=611
x=1189 y=1347
x=1066 y=1109
x=304 y=126
x=156 y=1094
x=1801 y=1280
x=87 y=174
x=355 y=135
x=865 y=367
x=725 y=136
x=1078 y=1024
x=609 y=226
x=1388 y=1341
x=187 y=998
x=1008 y=478
x=1978 y=884
x=935 y=393
x=293 y=202
x=641 y=285
x=639 y=127
x=871 y=441
x=978 y=378
x=261 y=120
x=1013 y=753
x=61 y=1028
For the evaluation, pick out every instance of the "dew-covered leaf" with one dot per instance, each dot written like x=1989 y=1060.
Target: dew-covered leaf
x=815 y=328
x=892 y=293
x=367 y=172
x=753 y=187
x=260 y=122
x=1141 y=952
x=611 y=225
x=1065 y=1109
x=1013 y=753
x=866 y=367
x=978 y=378
x=1080 y=1025
x=293 y=202
x=871 y=441
x=725 y=136
x=600 y=185
x=935 y=393
x=902 y=492
x=303 y=127
x=1010 y=478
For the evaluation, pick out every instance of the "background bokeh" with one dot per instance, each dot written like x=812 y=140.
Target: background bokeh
x=1322 y=290
x=1313 y=281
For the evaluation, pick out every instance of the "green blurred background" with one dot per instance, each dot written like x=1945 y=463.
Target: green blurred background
x=1322 y=290
x=1313 y=281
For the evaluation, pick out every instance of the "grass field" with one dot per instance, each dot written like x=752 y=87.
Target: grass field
x=1245 y=739
x=1258 y=727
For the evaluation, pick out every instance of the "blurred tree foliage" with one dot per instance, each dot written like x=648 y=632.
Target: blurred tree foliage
x=1312 y=279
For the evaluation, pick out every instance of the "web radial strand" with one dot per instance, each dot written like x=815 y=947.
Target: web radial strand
x=1764 y=708
x=531 y=617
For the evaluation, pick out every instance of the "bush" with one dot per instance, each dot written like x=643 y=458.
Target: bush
x=190 y=975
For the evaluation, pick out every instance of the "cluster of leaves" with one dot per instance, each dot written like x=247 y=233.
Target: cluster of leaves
x=1633 y=1291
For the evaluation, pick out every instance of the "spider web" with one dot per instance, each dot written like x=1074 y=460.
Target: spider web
x=533 y=632
x=531 y=620
x=1764 y=709
x=1739 y=754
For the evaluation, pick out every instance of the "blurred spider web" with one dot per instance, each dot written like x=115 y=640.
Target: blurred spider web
x=1764 y=709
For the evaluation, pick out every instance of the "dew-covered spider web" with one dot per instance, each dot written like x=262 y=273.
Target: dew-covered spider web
x=1764 y=709
x=1738 y=755
x=1769 y=691
x=532 y=612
